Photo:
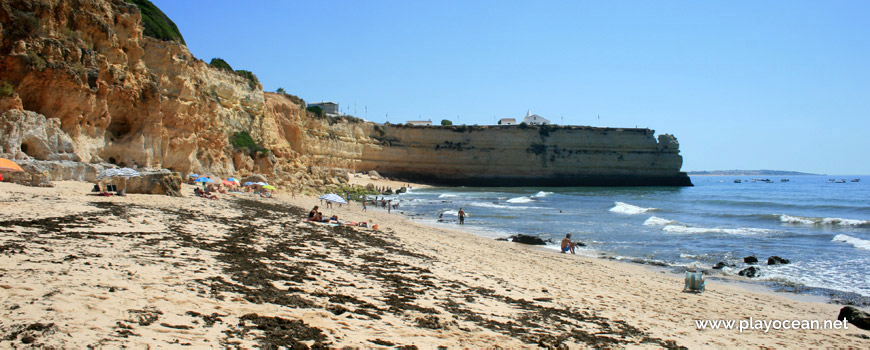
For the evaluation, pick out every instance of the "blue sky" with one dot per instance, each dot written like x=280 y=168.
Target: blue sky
x=781 y=85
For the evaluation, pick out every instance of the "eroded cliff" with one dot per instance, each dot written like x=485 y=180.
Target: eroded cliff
x=81 y=83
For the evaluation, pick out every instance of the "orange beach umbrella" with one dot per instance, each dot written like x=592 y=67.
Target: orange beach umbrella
x=8 y=165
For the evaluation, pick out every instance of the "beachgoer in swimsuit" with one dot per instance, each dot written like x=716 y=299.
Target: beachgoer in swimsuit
x=461 y=217
x=567 y=245
x=313 y=212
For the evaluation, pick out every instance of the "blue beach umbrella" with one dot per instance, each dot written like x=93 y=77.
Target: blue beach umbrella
x=247 y=183
x=193 y=175
x=203 y=179
x=332 y=197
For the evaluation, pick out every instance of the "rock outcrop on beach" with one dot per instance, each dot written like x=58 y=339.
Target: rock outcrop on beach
x=89 y=81
x=856 y=317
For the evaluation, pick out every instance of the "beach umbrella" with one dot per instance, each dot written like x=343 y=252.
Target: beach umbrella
x=332 y=197
x=8 y=165
x=228 y=183
x=232 y=179
x=261 y=183
x=194 y=175
x=115 y=172
x=269 y=187
x=203 y=179
x=248 y=183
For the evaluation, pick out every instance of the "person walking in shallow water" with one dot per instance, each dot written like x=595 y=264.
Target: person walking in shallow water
x=461 y=217
x=567 y=244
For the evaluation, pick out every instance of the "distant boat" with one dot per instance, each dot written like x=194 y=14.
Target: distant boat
x=737 y=181
x=840 y=181
x=856 y=180
x=783 y=180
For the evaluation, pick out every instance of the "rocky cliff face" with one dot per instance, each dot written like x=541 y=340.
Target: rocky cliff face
x=86 y=87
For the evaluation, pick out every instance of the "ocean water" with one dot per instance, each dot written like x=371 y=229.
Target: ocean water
x=823 y=228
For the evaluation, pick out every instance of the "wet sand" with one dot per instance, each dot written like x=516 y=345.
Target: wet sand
x=78 y=270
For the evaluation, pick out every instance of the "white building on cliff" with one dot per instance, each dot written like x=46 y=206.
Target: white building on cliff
x=534 y=119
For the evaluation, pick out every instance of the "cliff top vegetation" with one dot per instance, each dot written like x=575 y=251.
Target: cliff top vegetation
x=157 y=24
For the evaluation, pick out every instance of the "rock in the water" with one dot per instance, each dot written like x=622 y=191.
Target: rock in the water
x=580 y=244
x=856 y=317
x=401 y=190
x=750 y=259
x=774 y=260
x=750 y=272
x=526 y=239
x=157 y=182
x=720 y=265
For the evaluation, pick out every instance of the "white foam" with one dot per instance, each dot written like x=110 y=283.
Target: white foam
x=542 y=194
x=844 y=222
x=796 y=220
x=451 y=212
x=683 y=229
x=499 y=206
x=657 y=221
x=856 y=242
x=625 y=208
x=446 y=195
x=822 y=221
x=519 y=200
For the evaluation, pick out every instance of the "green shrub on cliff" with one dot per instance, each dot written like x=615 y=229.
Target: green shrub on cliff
x=243 y=139
x=445 y=122
x=157 y=24
x=253 y=82
x=6 y=89
x=219 y=63
x=317 y=110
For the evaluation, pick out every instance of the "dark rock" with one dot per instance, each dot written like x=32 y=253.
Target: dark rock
x=774 y=260
x=750 y=272
x=501 y=239
x=580 y=244
x=750 y=259
x=526 y=239
x=856 y=317
x=720 y=265
x=401 y=190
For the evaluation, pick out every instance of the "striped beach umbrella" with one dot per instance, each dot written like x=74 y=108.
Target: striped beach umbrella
x=332 y=197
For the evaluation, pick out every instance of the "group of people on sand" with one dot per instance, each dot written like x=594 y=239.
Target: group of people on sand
x=208 y=192
x=316 y=215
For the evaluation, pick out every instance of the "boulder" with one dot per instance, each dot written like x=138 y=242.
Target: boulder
x=34 y=175
x=750 y=272
x=401 y=190
x=750 y=259
x=720 y=265
x=374 y=175
x=156 y=182
x=526 y=239
x=774 y=260
x=856 y=317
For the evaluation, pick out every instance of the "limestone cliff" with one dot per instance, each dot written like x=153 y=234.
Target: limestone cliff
x=85 y=85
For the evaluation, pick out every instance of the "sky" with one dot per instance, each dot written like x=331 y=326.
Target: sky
x=780 y=85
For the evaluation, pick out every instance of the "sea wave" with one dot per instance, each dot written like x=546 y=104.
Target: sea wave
x=744 y=231
x=451 y=212
x=447 y=195
x=856 y=242
x=519 y=200
x=790 y=219
x=625 y=208
x=657 y=221
x=542 y=194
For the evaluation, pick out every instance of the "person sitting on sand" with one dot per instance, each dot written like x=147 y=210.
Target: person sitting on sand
x=318 y=217
x=567 y=244
x=313 y=212
x=197 y=191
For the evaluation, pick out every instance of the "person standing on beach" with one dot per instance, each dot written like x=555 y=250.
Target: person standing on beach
x=461 y=217
x=567 y=244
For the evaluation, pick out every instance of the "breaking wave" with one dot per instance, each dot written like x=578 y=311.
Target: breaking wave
x=657 y=221
x=800 y=220
x=856 y=242
x=519 y=200
x=683 y=229
x=542 y=194
x=446 y=195
x=625 y=208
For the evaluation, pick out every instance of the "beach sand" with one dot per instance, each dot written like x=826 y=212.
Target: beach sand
x=142 y=271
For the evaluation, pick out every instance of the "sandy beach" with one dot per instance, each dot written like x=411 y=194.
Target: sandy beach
x=144 y=271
